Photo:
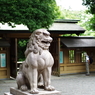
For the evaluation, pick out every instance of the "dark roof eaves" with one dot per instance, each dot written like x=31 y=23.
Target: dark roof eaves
x=66 y=21
x=78 y=37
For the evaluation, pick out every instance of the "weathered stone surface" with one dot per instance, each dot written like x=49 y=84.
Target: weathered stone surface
x=7 y=93
x=14 y=91
x=36 y=69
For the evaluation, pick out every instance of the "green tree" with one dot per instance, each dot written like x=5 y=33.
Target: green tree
x=32 y=13
x=22 y=43
x=69 y=14
x=90 y=4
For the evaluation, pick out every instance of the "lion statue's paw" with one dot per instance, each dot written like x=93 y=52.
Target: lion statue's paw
x=34 y=91
x=50 y=88
x=40 y=85
x=23 y=88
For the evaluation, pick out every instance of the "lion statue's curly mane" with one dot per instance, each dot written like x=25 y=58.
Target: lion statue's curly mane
x=38 y=63
x=39 y=39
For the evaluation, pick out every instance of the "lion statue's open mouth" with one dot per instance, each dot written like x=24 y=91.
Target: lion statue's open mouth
x=38 y=62
x=46 y=43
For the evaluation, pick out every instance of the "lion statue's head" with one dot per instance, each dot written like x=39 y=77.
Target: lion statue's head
x=39 y=40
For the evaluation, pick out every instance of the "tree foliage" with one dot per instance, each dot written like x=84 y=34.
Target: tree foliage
x=32 y=13
x=69 y=14
x=22 y=43
x=91 y=9
x=90 y=4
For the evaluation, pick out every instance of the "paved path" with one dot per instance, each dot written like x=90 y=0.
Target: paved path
x=68 y=85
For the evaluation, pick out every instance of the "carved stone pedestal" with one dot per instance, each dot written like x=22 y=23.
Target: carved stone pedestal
x=14 y=91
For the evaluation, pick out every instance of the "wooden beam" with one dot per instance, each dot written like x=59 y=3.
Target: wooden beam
x=18 y=35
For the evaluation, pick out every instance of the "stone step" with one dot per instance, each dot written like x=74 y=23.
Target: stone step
x=14 y=91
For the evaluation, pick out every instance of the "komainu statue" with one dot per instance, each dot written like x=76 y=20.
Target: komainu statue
x=37 y=67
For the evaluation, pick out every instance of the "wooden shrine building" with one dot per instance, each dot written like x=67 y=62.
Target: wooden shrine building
x=72 y=58
x=61 y=48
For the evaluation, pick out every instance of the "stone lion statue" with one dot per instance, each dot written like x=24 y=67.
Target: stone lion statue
x=38 y=63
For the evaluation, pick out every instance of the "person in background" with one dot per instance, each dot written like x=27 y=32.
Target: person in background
x=87 y=64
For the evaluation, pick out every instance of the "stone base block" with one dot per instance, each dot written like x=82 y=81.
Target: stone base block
x=14 y=91
x=7 y=93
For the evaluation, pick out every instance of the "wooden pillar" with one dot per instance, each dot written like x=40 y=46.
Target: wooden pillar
x=8 y=63
x=58 y=56
x=54 y=49
x=13 y=57
x=16 y=54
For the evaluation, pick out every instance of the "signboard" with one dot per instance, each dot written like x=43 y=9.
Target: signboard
x=3 y=60
x=61 y=56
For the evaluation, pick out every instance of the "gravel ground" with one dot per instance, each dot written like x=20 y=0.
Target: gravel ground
x=78 y=84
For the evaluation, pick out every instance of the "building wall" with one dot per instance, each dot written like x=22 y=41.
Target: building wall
x=4 y=63
x=77 y=66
